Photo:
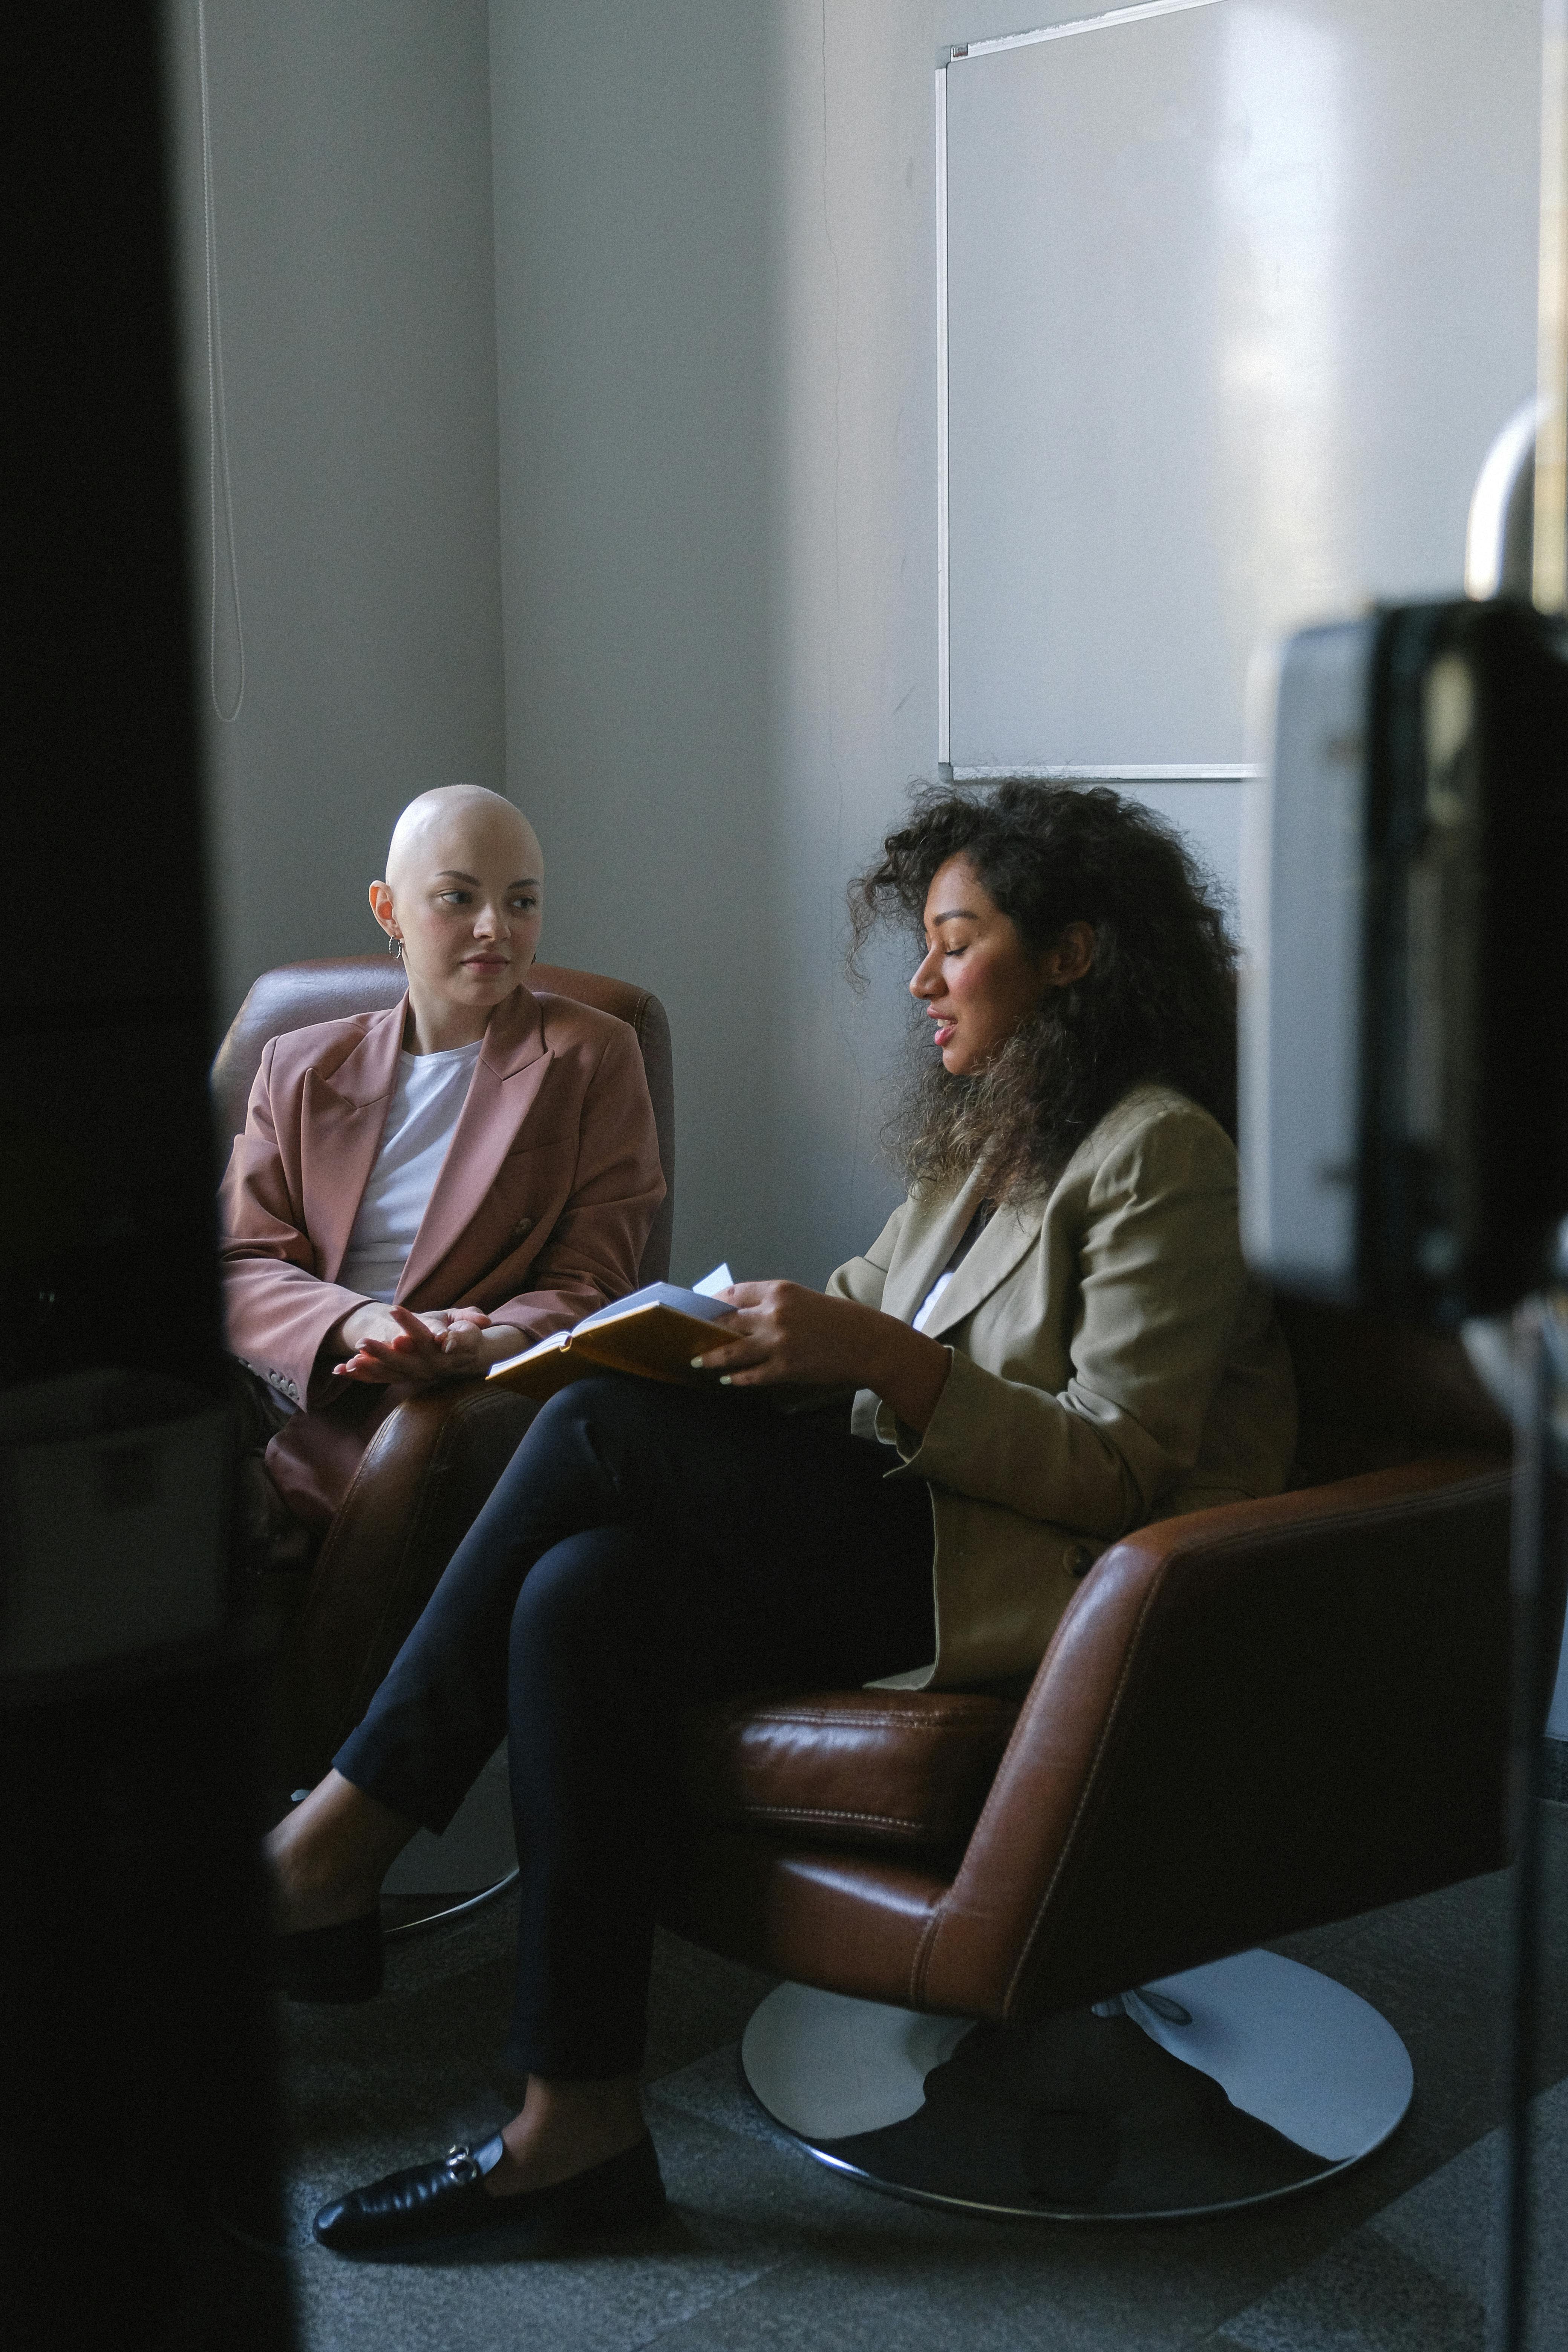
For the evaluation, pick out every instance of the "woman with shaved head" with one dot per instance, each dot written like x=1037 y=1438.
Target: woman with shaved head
x=421 y=1192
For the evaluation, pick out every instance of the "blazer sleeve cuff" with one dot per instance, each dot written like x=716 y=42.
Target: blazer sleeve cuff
x=959 y=1449
x=326 y=1311
x=924 y=1454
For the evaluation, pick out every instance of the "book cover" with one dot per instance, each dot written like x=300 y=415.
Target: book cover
x=654 y=1334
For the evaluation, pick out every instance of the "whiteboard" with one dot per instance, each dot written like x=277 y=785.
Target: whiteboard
x=1233 y=296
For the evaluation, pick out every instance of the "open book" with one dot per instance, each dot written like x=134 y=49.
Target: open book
x=654 y=1333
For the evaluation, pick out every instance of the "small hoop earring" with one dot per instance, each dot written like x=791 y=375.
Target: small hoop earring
x=393 y=944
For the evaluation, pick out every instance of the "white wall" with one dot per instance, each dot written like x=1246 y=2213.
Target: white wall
x=713 y=233
x=631 y=196
x=352 y=179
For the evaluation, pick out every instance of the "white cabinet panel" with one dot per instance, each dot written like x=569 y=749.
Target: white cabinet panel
x=1237 y=298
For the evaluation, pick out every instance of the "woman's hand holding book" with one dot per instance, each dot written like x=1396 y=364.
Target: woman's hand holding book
x=784 y=1332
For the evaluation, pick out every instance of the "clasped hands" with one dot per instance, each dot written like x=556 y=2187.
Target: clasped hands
x=784 y=1332
x=392 y=1344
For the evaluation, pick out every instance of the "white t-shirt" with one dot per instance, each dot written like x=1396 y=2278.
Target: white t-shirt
x=933 y=1297
x=426 y=1105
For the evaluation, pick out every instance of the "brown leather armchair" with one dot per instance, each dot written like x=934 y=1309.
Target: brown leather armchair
x=1251 y=1721
x=432 y=1462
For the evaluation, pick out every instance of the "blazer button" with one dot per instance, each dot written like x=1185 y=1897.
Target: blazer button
x=523 y=1226
x=1077 y=1559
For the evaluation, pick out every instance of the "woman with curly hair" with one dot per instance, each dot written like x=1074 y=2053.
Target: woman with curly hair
x=1053 y=1340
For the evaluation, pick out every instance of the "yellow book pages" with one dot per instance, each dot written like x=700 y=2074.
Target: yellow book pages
x=655 y=1343
x=541 y=1372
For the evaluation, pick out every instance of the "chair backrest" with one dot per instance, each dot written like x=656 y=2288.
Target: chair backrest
x=1374 y=1394
x=295 y=995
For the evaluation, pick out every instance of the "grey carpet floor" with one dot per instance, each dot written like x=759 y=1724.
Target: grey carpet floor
x=764 y=2249
x=1422 y=2276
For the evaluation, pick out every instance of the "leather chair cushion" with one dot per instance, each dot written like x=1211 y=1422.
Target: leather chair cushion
x=897 y=1772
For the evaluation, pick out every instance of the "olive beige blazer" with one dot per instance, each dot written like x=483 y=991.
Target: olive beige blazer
x=1113 y=1362
x=545 y=1200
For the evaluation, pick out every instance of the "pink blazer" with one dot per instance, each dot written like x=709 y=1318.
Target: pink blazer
x=539 y=1215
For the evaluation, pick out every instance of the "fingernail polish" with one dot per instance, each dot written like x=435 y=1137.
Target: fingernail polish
x=724 y=1380
x=696 y=1363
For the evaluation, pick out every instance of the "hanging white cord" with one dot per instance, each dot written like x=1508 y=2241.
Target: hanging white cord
x=217 y=410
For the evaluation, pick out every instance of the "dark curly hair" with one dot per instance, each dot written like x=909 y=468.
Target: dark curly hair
x=1157 y=1002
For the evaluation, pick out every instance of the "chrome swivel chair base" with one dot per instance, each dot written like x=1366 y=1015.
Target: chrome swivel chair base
x=438 y=1881
x=413 y=1914
x=434 y=1883
x=1225 y=2086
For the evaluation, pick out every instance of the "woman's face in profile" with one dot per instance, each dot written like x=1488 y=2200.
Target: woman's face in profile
x=978 y=980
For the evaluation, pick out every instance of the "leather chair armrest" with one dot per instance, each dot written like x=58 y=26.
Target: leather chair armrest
x=1250 y=1720
x=424 y=1479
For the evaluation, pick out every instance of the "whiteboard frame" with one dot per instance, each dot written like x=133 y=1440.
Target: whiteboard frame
x=1232 y=772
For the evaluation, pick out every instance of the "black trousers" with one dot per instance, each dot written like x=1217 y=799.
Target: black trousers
x=646 y=1548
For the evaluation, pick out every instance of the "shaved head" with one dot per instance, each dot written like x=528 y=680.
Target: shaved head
x=442 y=828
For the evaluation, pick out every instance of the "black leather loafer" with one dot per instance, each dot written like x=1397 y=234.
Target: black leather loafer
x=339 y=1964
x=434 y=2205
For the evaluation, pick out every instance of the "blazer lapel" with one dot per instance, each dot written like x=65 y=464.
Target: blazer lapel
x=505 y=1083
x=342 y=1121
x=1010 y=1235
x=940 y=1229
